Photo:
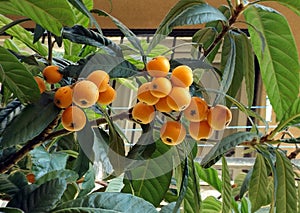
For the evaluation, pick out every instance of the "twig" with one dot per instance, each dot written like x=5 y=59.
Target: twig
x=294 y=154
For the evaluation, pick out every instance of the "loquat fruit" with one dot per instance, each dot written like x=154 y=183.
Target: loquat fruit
x=73 y=118
x=63 y=97
x=219 y=117
x=200 y=130
x=158 y=67
x=179 y=98
x=197 y=110
x=85 y=93
x=41 y=84
x=162 y=105
x=100 y=78
x=143 y=113
x=51 y=74
x=108 y=96
x=182 y=76
x=144 y=94
x=160 y=87
x=172 y=132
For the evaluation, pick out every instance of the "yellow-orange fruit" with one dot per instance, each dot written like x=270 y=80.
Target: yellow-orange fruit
x=85 y=93
x=182 y=76
x=100 y=78
x=51 y=74
x=158 y=66
x=63 y=97
x=162 y=105
x=172 y=132
x=107 y=97
x=41 y=84
x=219 y=117
x=200 y=130
x=160 y=87
x=143 y=113
x=144 y=94
x=179 y=98
x=197 y=110
x=73 y=118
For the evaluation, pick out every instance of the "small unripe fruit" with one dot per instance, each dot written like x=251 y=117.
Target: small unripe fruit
x=107 y=97
x=160 y=87
x=158 y=66
x=182 y=76
x=172 y=133
x=197 y=110
x=143 y=113
x=51 y=74
x=162 y=105
x=200 y=130
x=85 y=93
x=63 y=97
x=144 y=94
x=41 y=84
x=73 y=118
x=100 y=78
x=219 y=117
x=179 y=98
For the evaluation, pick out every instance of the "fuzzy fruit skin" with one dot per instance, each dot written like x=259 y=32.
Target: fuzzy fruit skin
x=197 y=110
x=85 y=94
x=182 y=76
x=63 y=97
x=160 y=87
x=200 y=130
x=51 y=74
x=73 y=118
x=100 y=78
x=158 y=66
x=163 y=106
x=144 y=94
x=172 y=133
x=143 y=113
x=179 y=98
x=219 y=117
x=41 y=84
x=107 y=97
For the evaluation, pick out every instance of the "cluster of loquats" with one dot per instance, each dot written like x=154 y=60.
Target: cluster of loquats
x=95 y=88
x=169 y=92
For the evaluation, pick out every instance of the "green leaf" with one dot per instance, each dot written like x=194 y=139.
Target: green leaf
x=279 y=68
x=211 y=205
x=89 y=182
x=52 y=16
x=17 y=78
x=41 y=199
x=151 y=178
x=68 y=175
x=71 y=192
x=293 y=5
x=30 y=122
x=185 y=12
x=23 y=35
x=115 y=185
x=210 y=176
x=245 y=205
x=7 y=186
x=286 y=190
x=6 y=8
x=258 y=183
x=204 y=38
x=224 y=145
x=118 y=202
x=44 y=162
x=168 y=208
x=10 y=210
x=226 y=187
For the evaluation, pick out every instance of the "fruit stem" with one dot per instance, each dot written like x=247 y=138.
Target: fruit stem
x=50 y=47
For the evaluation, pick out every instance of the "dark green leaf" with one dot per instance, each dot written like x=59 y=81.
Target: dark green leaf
x=204 y=38
x=168 y=208
x=17 y=78
x=226 y=187
x=279 y=68
x=224 y=145
x=10 y=210
x=81 y=165
x=245 y=185
x=43 y=198
x=44 y=162
x=210 y=176
x=71 y=192
x=30 y=122
x=38 y=33
x=286 y=190
x=89 y=182
x=118 y=202
x=6 y=186
x=258 y=183
x=52 y=16
x=7 y=114
x=68 y=175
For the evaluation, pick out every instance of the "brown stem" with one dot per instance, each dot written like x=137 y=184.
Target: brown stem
x=294 y=154
x=50 y=47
